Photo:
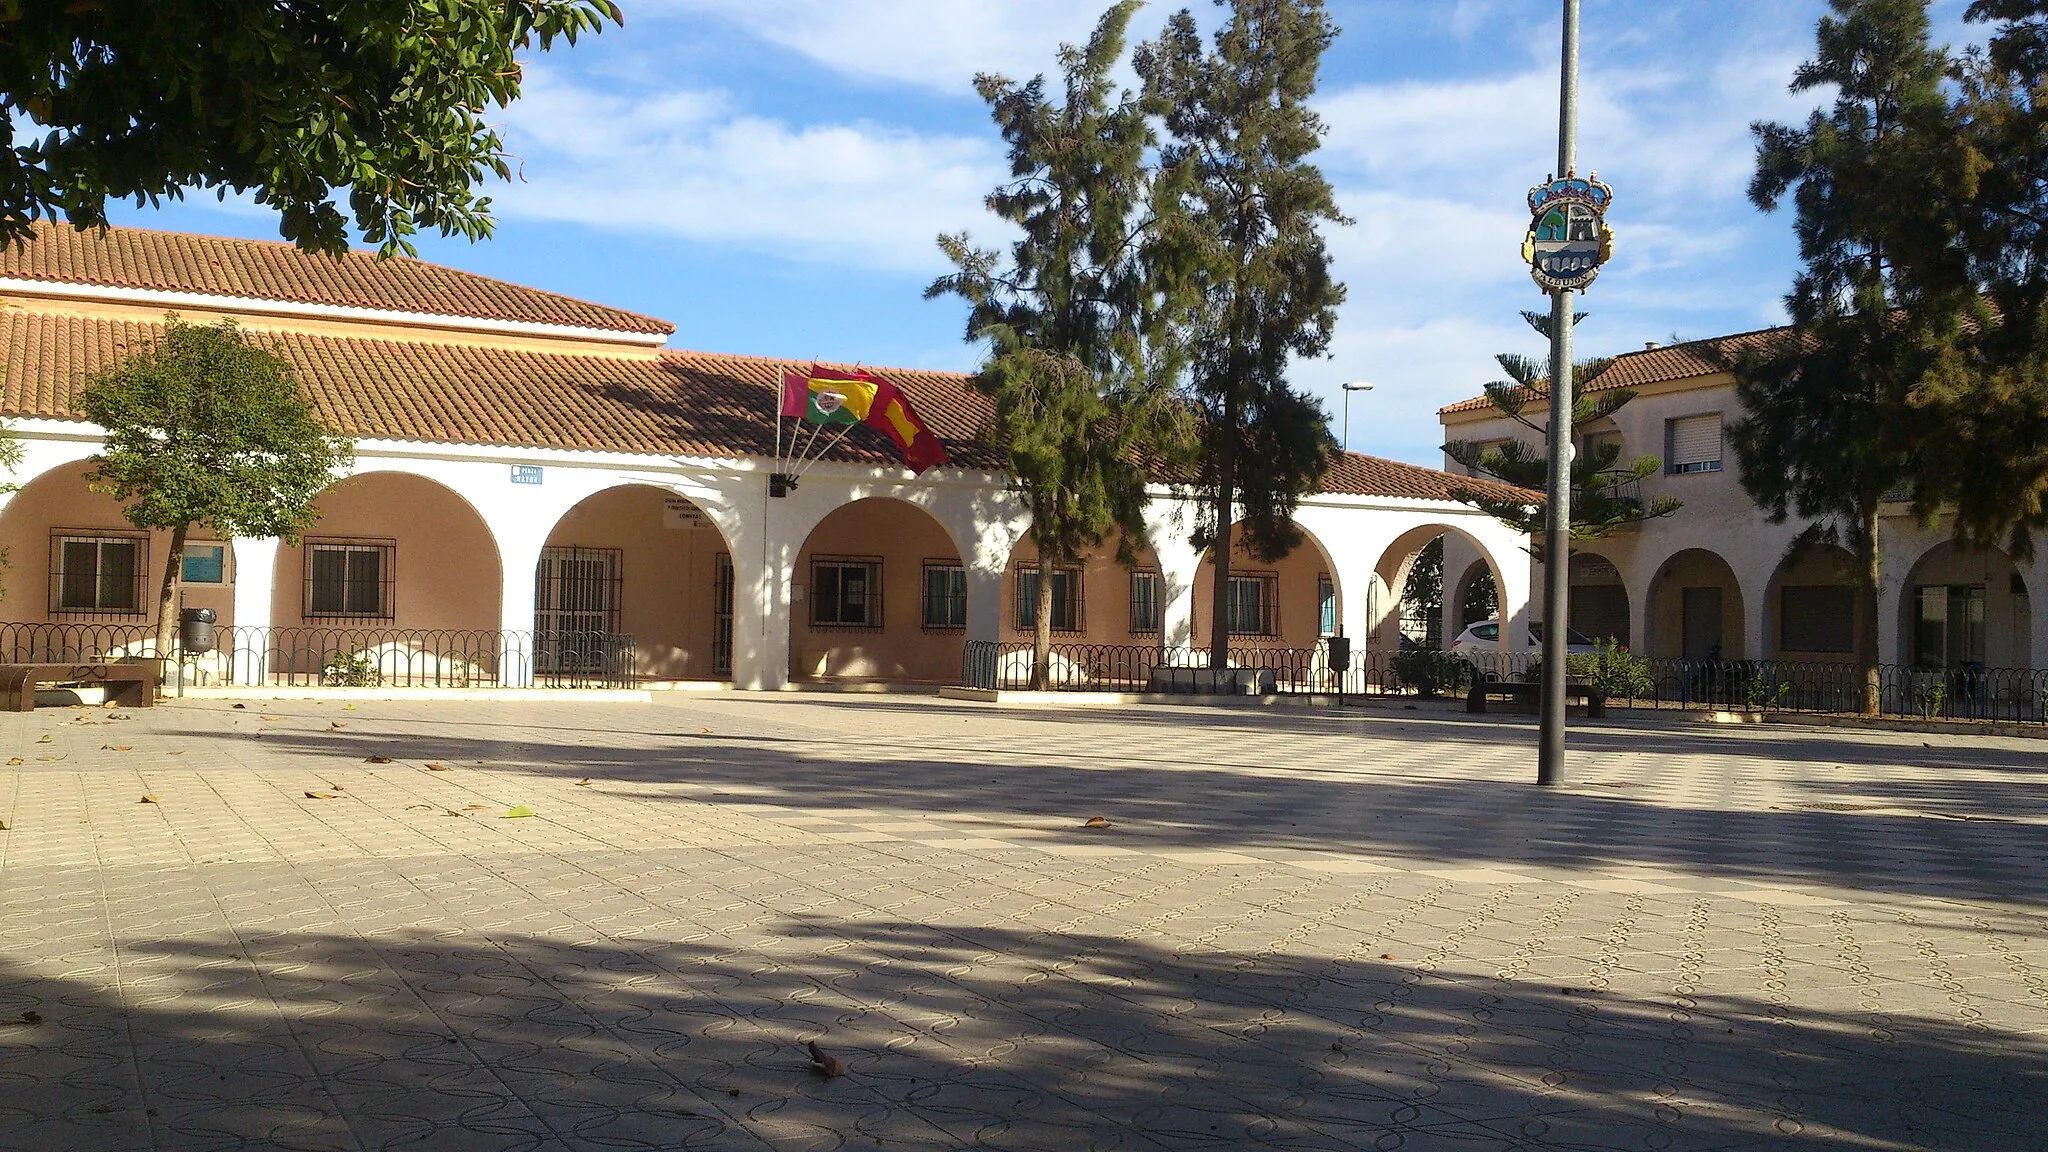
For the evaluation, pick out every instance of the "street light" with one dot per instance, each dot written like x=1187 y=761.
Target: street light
x=1351 y=386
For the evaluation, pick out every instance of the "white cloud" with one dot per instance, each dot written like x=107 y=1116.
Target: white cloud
x=687 y=164
x=926 y=43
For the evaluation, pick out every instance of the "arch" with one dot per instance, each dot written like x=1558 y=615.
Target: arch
x=120 y=590
x=857 y=610
x=1300 y=595
x=1600 y=606
x=429 y=553
x=1696 y=609
x=641 y=560
x=1397 y=561
x=1809 y=610
x=1473 y=597
x=1962 y=606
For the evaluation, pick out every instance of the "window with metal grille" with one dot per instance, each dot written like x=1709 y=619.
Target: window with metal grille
x=1066 y=599
x=1817 y=618
x=1254 y=601
x=722 y=618
x=1326 y=605
x=1693 y=444
x=579 y=590
x=1144 y=602
x=350 y=579
x=846 y=593
x=98 y=573
x=945 y=596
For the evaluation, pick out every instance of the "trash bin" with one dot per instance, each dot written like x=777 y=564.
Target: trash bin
x=195 y=630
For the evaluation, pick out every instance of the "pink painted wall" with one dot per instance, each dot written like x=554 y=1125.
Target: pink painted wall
x=445 y=564
x=668 y=591
x=1299 y=609
x=902 y=537
x=1105 y=598
x=59 y=501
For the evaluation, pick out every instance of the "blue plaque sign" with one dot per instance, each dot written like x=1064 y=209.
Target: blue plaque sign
x=1568 y=237
x=526 y=473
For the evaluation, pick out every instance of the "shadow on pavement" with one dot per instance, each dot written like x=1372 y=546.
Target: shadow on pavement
x=983 y=1037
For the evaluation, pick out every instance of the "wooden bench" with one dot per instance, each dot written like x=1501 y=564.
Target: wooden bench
x=1485 y=688
x=130 y=685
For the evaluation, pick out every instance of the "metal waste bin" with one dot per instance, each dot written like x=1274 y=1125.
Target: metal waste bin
x=195 y=630
x=1338 y=652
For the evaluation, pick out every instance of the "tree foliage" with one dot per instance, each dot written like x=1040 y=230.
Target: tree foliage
x=1601 y=497
x=1241 y=244
x=1832 y=424
x=206 y=427
x=1079 y=366
x=289 y=101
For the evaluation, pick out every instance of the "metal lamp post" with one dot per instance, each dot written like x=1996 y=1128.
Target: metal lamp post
x=1568 y=241
x=1351 y=386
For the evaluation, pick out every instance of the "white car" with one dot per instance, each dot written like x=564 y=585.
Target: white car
x=1485 y=637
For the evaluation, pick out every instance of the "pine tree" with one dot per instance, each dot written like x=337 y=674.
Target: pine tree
x=1076 y=367
x=1242 y=246
x=1831 y=423
x=1987 y=412
x=1601 y=501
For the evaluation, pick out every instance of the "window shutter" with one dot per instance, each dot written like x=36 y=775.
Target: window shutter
x=1695 y=443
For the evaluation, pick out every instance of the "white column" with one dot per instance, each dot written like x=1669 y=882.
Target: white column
x=1510 y=556
x=519 y=552
x=2036 y=576
x=255 y=590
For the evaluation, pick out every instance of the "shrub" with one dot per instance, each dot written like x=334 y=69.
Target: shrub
x=351 y=670
x=1429 y=671
x=1618 y=673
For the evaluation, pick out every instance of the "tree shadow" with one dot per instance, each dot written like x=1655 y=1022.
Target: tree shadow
x=1159 y=800
x=983 y=1037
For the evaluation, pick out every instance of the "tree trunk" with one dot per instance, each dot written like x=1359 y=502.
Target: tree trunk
x=1868 y=573
x=1219 y=551
x=167 y=598
x=1041 y=631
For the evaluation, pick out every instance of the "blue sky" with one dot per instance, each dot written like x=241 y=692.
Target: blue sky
x=769 y=175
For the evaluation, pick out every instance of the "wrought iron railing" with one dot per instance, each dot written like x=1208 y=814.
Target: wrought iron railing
x=2003 y=695
x=349 y=657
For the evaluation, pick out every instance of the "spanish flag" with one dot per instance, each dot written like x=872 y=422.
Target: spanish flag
x=830 y=396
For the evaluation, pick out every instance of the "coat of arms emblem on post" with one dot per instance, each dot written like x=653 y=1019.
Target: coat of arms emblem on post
x=1568 y=237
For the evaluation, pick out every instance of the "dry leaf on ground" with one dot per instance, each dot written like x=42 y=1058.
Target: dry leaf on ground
x=270 y=717
x=1096 y=822
x=437 y=768
x=148 y=799
x=119 y=716
x=336 y=724
x=583 y=783
x=59 y=756
x=45 y=738
x=117 y=748
x=17 y=760
x=312 y=795
x=241 y=705
x=377 y=760
x=3 y=825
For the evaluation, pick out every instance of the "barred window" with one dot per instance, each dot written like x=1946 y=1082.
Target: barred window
x=1254 y=605
x=349 y=579
x=98 y=573
x=846 y=593
x=1066 y=599
x=1326 y=604
x=945 y=596
x=1144 y=602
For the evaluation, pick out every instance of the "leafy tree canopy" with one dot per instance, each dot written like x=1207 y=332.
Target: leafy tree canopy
x=207 y=427
x=290 y=101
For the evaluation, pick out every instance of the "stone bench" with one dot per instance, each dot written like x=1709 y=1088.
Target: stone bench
x=1213 y=682
x=130 y=685
x=1485 y=688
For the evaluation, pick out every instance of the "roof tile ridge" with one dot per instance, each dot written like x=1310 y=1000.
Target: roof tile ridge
x=364 y=254
x=754 y=357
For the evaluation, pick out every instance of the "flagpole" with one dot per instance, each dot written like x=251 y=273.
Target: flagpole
x=781 y=382
x=843 y=430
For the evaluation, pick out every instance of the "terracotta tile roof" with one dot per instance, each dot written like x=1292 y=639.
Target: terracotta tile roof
x=1657 y=365
x=672 y=404
x=675 y=403
x=1353 y=474
x=269 y=270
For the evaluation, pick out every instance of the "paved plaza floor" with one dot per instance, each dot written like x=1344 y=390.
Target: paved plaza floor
x=1298 y=930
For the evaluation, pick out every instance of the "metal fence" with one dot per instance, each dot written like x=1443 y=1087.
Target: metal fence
x=2000 y=695
x=348 y=657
